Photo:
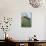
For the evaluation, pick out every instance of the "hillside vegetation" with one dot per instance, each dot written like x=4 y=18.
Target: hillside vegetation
x=25 y=21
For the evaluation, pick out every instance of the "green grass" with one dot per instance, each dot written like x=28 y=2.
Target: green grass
x=25 y=21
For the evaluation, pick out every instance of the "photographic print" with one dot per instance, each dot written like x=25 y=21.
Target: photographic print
x=26 y=19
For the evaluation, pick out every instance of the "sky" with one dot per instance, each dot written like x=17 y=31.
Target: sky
x=28 y=14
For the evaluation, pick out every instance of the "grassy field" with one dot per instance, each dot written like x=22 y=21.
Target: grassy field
x=25 y=21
